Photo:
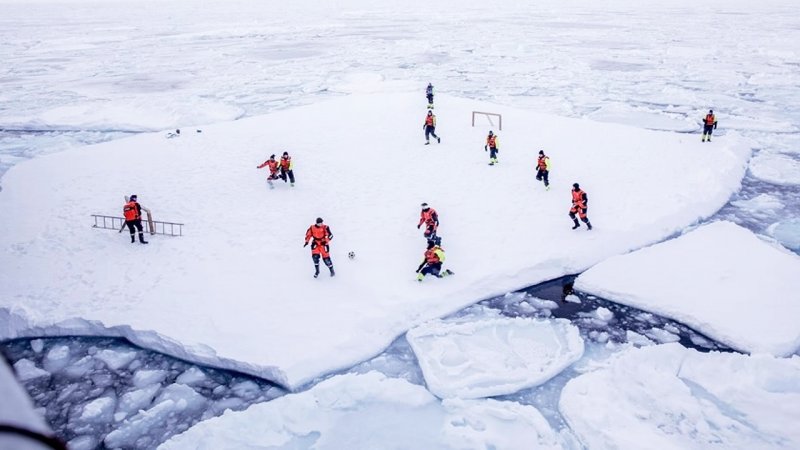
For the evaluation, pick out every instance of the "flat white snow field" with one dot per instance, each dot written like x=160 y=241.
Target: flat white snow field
x=719 y=278
x=667 y=397
x=236 y=291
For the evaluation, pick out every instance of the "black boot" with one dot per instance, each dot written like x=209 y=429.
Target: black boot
x=332 y=272
x=141 y=239
x=589 y=224
x=577 y=225
x=316 y=273
x=133 y=239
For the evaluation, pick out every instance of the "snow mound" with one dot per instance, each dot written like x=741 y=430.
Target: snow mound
x=669 y=397
x=236 y=290
x=352 y=411
x=720 y=279
x=493 y=357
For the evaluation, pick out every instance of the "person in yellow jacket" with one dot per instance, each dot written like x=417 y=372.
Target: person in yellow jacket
x=432 y=263
x=543 y=169
x=491 y=146
x=430 y=128
x=709 y=125
x=287 y=168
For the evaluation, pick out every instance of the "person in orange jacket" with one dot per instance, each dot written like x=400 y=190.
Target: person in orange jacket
x=133 y=218
x=430 y=218
x=709 y=124
x=287 y=168
x=432 y=262
x=491 y=146
x=580 y=205
x=320 y=236
x=273 y=169
x=430 y=128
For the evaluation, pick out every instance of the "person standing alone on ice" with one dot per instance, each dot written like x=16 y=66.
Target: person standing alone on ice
x=709 y=124
x=320 y=235
x=430 y=218
x=491 y=146
x=543 y=172
x=432 y=262
x=430 y=128
x=273 y=169
x=429 y=95
x=133 y=218
x=580 y=204
x=286 y=168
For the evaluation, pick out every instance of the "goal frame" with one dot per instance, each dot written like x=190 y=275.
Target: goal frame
x=489 y=117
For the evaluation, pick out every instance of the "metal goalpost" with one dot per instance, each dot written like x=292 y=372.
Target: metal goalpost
x=489 y=118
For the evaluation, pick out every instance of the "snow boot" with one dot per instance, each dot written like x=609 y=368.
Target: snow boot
x=133 y=239
x=316 y=274
x=427 y=142
x=333 y=274
x=577 y=225
x=438 y=140
x=141 y=239
x=589 y=225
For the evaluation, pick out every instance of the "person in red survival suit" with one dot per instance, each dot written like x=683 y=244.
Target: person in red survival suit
x=320 y=235
x=430 y=218
x=273 y=168
x=133 y=218
x=580 y=205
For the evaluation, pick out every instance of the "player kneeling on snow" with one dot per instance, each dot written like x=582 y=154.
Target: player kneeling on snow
x=432 y=264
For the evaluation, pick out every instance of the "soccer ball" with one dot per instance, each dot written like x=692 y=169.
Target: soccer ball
x=351 y=255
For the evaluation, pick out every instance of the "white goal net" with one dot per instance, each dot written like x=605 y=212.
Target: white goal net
x=487 y=118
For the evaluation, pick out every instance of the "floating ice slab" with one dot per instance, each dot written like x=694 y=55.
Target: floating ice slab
x=667 y=397
x=719 y=279
x=787 y=232
x=236 y=290
x=26 y=370
x=372 y=411
x=494 y=356
x=761 y=202
x=777 y=168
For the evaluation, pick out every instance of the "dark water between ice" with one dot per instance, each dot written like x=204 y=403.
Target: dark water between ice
x=88 y=387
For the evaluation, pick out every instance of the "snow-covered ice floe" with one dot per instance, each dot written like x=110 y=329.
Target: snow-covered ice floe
x=493 y=356
x=236 y=291
x=787 y=232
x=372 y=411
x=776 y=168
x=720 y=279
x=667 y=397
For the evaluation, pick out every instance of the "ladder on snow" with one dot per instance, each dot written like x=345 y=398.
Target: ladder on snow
x=156 y=226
